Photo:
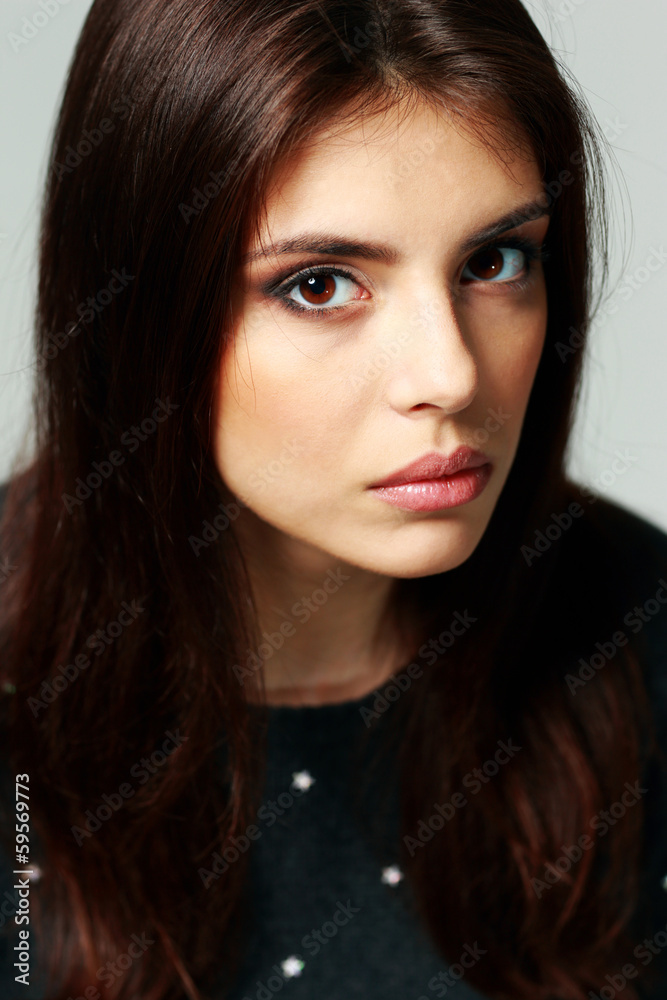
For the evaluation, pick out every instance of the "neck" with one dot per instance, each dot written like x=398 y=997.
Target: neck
x=335 y=630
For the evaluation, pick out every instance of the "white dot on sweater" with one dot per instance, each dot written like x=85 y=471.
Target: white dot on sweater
x=392 y=875
x=292 y=966
x=302 y=780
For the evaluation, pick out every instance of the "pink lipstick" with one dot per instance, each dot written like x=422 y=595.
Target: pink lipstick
x=436 y=482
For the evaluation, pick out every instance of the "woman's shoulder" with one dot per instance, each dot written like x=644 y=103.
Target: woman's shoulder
x=615 y=561
x=624 y=553
x=628 y=530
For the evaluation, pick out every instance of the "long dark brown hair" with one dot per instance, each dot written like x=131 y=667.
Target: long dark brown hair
x=175 y=114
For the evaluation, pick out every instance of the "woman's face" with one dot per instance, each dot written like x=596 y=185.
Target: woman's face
x=429 y=343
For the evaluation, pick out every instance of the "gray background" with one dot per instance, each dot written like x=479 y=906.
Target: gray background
x=616 y=52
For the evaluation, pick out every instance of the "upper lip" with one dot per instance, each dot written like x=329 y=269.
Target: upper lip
x=434 y=465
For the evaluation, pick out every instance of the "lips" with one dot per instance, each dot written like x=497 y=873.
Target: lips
x=434 y=466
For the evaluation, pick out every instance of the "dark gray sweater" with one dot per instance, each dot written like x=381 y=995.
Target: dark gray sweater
x=334 y=917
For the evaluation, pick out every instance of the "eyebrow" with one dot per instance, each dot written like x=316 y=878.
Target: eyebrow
x=338 y=246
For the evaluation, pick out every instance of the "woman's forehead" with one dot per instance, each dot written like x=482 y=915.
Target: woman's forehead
x=429 y=170
x=395 y=141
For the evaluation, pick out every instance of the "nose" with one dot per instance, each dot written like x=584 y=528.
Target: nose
x=435 y=370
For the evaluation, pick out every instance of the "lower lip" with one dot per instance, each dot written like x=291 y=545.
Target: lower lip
x=437 y=494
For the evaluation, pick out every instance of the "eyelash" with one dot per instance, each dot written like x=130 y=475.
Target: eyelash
x=529 y=248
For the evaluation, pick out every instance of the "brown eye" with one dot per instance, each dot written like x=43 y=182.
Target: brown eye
x=318 y=289
x=314 y=292
x=487 y=264
x=495 y=262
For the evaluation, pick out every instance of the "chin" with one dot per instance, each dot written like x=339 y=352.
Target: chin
x=411 y=569
x=422 y=552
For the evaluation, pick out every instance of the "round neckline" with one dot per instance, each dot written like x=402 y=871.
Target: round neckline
x=322 y=724
x=326 y=708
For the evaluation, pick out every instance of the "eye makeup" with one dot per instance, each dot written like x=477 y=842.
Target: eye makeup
x=281 y=284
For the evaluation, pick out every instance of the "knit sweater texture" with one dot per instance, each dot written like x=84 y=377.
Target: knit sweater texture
x=333 y=914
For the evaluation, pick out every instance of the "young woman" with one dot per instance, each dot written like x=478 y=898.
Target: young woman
x=318 y=673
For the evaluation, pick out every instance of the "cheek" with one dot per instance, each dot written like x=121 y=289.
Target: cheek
x=511 y=342
x=274 y=422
